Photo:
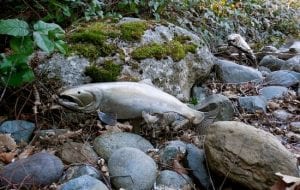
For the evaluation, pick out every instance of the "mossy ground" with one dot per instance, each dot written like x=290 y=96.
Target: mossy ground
x=175 y=49
x=106 y=73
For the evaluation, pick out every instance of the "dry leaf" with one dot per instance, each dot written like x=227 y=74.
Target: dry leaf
x=27 y=152
x=287 y=178
x=3 y=118
x=179 y=168
x=285 y=183
x=7 y=142
x=7 y=157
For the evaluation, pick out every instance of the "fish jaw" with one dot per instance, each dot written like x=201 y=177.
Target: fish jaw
x=79 y=100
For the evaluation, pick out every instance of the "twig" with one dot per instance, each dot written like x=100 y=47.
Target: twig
x=31 y=8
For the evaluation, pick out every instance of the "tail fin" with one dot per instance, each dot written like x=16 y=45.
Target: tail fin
x=210 y=116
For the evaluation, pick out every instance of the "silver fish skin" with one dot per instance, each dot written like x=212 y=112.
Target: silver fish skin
x=127 y=100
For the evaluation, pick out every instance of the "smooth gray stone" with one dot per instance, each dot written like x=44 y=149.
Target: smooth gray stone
x=108 y=143
x=84 y=182
x=170 y=179
x=282 y=115
x=292 y=64
x=80 y=170
x=39 y=169
x=253 y=103
x=295 y=127
x=272 y=62
x=130 y=168
x=196 y=162
x=230 y=72
x=220 y=102
x=20 y=130
x=282 y=78
x=199 y=93
x=170 y=152
x=271 y=92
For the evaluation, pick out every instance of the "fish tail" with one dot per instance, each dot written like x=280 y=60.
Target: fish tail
x=209 y=117
x=197 y=117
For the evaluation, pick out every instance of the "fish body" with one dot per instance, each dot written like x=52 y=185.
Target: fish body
x=126 y=100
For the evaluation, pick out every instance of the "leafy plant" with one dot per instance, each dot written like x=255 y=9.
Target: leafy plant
x=14 y=68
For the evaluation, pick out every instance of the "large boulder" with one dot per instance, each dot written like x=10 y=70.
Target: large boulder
x=247 y=155
x=173 y=75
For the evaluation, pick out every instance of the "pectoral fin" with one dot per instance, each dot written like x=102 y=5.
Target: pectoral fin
x=106 y=118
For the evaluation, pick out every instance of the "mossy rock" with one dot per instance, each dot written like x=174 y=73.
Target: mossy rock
x=174 y=49
x=106 y=73
x=133 y=31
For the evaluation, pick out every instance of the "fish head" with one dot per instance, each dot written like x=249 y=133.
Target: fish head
x=80 y=99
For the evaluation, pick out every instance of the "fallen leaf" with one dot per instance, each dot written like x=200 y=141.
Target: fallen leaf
x=7 y=142
x=27 y=152
x=7 y=157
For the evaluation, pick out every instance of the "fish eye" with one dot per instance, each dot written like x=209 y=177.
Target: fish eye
x=78 y=92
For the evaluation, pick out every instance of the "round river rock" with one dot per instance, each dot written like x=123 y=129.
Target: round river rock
x=130 y=168
x=108 y=143
x=252 y=156
x=39 y=170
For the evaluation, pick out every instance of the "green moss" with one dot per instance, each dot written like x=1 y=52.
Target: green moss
x=190 y=48
x=133 y=31
x=95 y=33
x=154 y=50
x=174 y=49
x=86 y=50
x=182 y=39
x=108 y=72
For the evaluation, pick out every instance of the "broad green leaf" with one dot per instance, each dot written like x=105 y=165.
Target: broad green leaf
x=22 y=45
x=43 y=42
x=61 y=46
x=19 y=77
x=19 y=60
x=5 y=65
x=56 y=34
x=14 y=27
x=43 y=27
x=28 y=76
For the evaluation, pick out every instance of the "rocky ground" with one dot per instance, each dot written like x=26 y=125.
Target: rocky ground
x=255 y=131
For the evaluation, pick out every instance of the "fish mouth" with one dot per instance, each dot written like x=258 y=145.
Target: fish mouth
x=69 y=101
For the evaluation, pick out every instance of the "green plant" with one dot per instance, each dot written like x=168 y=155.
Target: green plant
x=14 y=68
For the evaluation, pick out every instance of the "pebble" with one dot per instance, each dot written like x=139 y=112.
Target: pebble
x=173 y=180
x=220 y=102
x=196 y=162
x=39 y=169
x=73 y=152
x=80 y=170
x=282 y=115
x=108 y=143
x=84 y=182
x=253 y=103
x=199 y=93
x=272 y=62
x=131 y=168
x=230 y=72
x=20 y=130
x=170 y=152
x=295 y=127
x=282 y=78
x=271 y=92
